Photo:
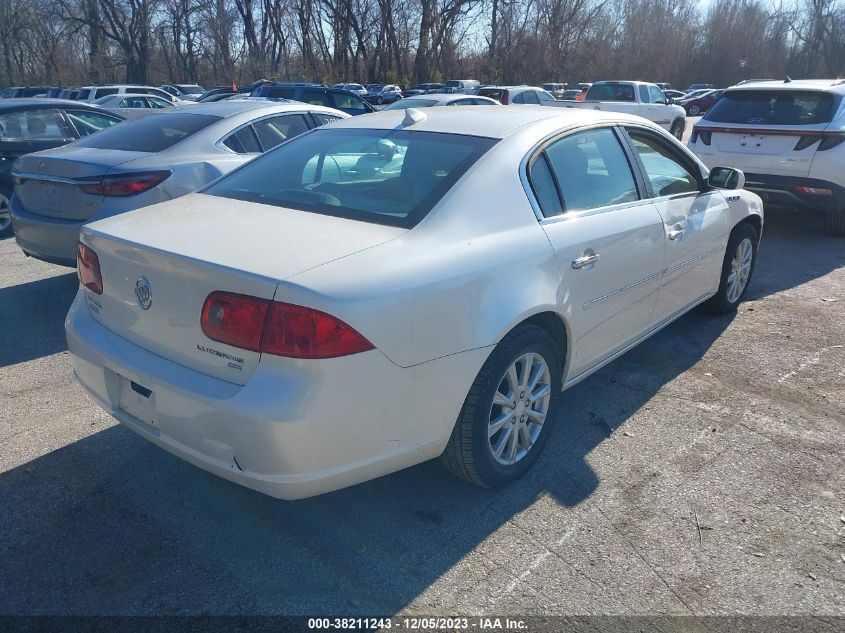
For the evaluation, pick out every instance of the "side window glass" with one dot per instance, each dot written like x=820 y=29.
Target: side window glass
x=592 y=170
x=544 y=96
x=103 y=92
x=275 y=131
x=315 y=97
x=518 y=98
x=657 y=95
x=41 y=124
x=243 y=141
x=543 y=184
x=89 y=122
x=323 y=119
x=531 y=96
x=347 y=102
x=668 y=177
x=644 y=97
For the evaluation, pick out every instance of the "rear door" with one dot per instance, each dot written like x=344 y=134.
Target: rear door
x=695 y=221
x=607 y=238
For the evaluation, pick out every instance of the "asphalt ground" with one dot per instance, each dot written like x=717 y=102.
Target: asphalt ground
x=701 y=473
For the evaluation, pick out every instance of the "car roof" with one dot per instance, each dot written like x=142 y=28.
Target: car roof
x=481 y=120
x=835 y=86
x=224 y=109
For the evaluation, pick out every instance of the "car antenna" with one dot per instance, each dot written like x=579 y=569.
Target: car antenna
x=787 y=80
x=412 y=115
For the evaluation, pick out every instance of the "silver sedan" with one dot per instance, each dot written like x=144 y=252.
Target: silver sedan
x=142 y=162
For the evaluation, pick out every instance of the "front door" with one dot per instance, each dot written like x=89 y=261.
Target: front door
x=695 y=220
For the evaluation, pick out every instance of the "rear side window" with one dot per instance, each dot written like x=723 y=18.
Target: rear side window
x=89 y=122
x=611 y=92
x=150 y=134
x=82 y=94
x=492 y=93
x=314 y=97
x=278 y=93
x=545 y=189
x=391 y=177
x=774 y=107
x=103 y=92
x=243 y=141
x=322 y=118
x=592 y=170
x=36 y=124
x=275 y=131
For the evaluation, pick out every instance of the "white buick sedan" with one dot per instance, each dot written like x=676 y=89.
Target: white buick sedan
x=402 y=286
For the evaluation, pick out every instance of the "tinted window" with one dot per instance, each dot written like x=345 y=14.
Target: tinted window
x=773 y=107
x=275 y=131
x=543 y=185
x=279 y=93
x=314 y=97
x=322 y=119
x=104 y=92
x=530 y=96
x=492 y=93
x=665 y=173
x=150 y=134
x=89 y=122
x=611 y=92
x=40 y=124
x=133 y=102
x=156 y=102
x=385 y=176
x=542 y=95
x=343 y=101
x=592 y=170
x=518 y=98
x=243 y=141
x=82 y=94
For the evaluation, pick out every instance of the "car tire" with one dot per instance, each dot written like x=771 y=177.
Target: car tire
x=737 y=268
x=694 y=110
x=5 y=212
x=470 y=453
x=835 y=222
x=380 y=100
x=678 y=128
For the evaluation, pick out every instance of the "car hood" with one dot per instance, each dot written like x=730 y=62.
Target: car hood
x=273 y=242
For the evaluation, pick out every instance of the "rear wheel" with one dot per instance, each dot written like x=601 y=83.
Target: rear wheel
x=737 y=268
x=5 y=212
x=694 y=110
x=835 y=222
x=677 y=129
x=509 y=411
x=380 y=100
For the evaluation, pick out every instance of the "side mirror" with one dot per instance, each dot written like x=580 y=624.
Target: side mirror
x=670 y=100
x=726 y=178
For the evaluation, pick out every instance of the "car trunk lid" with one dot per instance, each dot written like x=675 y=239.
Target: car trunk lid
x=186 y=249
x=49 y=182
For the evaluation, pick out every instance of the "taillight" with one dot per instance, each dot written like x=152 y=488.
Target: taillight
x=301 y=332
x=234 y=319
x=805 y=141
x=706 y=136
x=829 y=142
x=505 y=97
x=126 y=184
x=814 y=191
x=88 y=269
x=281 y=329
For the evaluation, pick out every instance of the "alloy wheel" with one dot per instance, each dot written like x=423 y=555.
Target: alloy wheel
x=5 y=214
x=740 y=270
x=694 y=110
x=519 y=409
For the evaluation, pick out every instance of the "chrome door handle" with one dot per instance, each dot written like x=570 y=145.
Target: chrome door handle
x=675 y=234
x=585 y=260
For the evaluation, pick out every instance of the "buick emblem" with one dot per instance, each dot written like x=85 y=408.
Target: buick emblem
x=144 y=292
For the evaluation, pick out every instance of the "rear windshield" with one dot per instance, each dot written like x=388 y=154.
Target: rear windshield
x=610 y=92
x=154 y=133
x=391 y=177
x=411 y=102
x=773 y=107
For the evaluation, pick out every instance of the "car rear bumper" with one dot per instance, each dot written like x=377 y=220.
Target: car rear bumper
x=797 y=192
x=297 y=428
x=50 y=239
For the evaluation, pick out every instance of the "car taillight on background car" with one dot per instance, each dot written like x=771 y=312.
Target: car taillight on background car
x=88 y=269
x=280 y=329
x=126 y=184
x=706 y=136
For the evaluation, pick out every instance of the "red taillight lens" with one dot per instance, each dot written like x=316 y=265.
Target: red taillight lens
x=281 y=329
x=301 y=332
x=88 y=269
x=234 y=319
x=706 y=136
x=126 y=184
x=505 y=97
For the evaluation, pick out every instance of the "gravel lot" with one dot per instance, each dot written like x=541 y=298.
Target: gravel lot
x=701 y=473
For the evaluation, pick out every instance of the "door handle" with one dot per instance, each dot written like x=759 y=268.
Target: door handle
x=675 y=234
x=585 y=260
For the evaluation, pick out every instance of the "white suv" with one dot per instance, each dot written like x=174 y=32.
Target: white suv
x=788 y=139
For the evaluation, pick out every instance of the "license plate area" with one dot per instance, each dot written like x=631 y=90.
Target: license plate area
x=752 y=142
x=137 y=401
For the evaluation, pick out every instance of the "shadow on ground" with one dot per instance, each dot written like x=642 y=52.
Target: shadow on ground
x=112 y=525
